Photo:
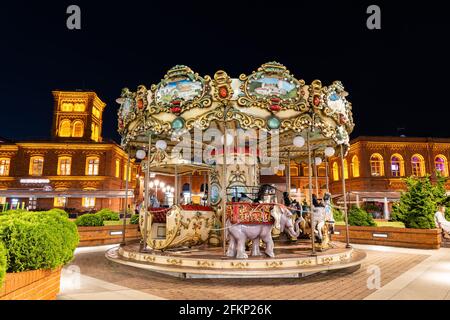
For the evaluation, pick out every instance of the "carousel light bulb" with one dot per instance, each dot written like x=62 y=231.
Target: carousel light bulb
x=161 y=145
x=156 y=183
x=318 y=161
x=140 y=154
x=229 y=139
x=299 y=141
x=329 y=151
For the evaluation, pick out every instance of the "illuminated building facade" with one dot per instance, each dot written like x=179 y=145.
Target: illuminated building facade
x=75 y=169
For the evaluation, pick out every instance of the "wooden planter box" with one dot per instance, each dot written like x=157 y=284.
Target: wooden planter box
x=97 y=236
x=31 y=285
x=388 y=236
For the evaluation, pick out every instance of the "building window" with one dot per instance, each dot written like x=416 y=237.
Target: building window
x=4 y=166
x=440 y=163
x=117 y=168
x=2 y=200
x=94 y=132
x=418 y=165
x=59 y=202
x=376 y=165
x=345 y=169
x=64 y=166
x=78 y=129
x=293 y=171
x=96 y=112
x=88 y=202
x=125 y=173
x=79 y=107
x=67 y=106
x=36 y=166
x=335 y=171
x=92 y=164
x=355 y=167
x=64 y=128
x=397 y=166
x=321 y=171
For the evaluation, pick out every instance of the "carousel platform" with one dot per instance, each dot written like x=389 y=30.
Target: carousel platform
x=292 y=260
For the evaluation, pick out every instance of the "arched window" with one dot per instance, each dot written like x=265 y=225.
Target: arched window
x=64 y=128
x=345 y=169
x=92 y=164
x=335 y=171
x=376 y=165
x=321 y=171
x=418 y=165
x=64 y=166
x=4 y=166
x=397 y=165
x=441 y=165
x=78 y=129
x=36 y=166
x=355 y=167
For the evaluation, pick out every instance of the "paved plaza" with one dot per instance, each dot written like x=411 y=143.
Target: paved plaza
x=404 y=274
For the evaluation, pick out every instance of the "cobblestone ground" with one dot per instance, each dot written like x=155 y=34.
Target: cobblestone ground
x=330 y=285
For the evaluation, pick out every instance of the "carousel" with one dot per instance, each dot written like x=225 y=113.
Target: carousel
x=233 y=131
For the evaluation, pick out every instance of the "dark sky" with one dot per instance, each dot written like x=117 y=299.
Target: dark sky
x=397 y=77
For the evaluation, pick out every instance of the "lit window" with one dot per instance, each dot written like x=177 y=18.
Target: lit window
x=345 y=169
x=78 y=129
x=376 y=165
x=355 y=167
x=79 y=107
x=117 y=168
x=418 y=165
x=293 y=171
x=36 y=166
x=335 y=171
x=2 y=200
x=321 y=171
x=67 y=106
x=96 y=112
x=59 y=202
x=94 y=132
x=64 y=165
x=440 y=163
x=4 y=166
x=64 y=128
x=88 y=202
x=92 y=164
x=397 y=166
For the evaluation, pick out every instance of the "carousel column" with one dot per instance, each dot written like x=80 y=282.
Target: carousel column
x=344 y=192
x=146 y=193
x=288 y=174
x=205 y=194
x=176 y=195
x=316 y=174
x=326 y=175
x=127 y=176
x=190 y=188
x=224 y=181
x=311 y=205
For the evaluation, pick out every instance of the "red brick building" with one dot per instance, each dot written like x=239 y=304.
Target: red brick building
x=74 y=169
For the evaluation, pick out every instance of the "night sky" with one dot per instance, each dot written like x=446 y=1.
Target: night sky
x=397 y=77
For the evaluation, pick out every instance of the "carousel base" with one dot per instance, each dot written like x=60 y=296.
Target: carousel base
x=293 y=260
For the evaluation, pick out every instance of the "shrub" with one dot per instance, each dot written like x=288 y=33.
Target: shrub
x=338 y=215
x=360 y=217
x=15 y=211
x=134 y=219
x=108 y=215
x=2 y=263
x=89 y=220
x=59 y=211
x=419 y=203
x=38 y=240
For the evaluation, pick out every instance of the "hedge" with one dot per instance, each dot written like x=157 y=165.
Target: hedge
x=89 y=220
x=108 y=215
x=134 y=219
x=37 y=240
x=2 y=263
x=360 y=217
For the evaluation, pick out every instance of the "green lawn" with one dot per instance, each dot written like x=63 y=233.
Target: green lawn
x=394 y=224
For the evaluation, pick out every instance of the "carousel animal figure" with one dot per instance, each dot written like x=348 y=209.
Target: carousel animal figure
x=441 y=222
x=239 y=233
x=323 y=220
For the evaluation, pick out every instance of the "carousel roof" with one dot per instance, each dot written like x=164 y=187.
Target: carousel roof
x=270 y=100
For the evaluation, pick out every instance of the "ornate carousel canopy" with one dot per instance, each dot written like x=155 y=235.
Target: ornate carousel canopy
x=270 y=99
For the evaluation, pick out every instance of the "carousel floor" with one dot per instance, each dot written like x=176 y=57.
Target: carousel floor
x=291 y=260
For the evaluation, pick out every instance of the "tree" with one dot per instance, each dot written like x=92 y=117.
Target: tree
x=419 y=203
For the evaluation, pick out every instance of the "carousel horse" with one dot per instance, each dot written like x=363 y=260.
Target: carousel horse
x=441 y=222
x=323 y=220
x=238 y=234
